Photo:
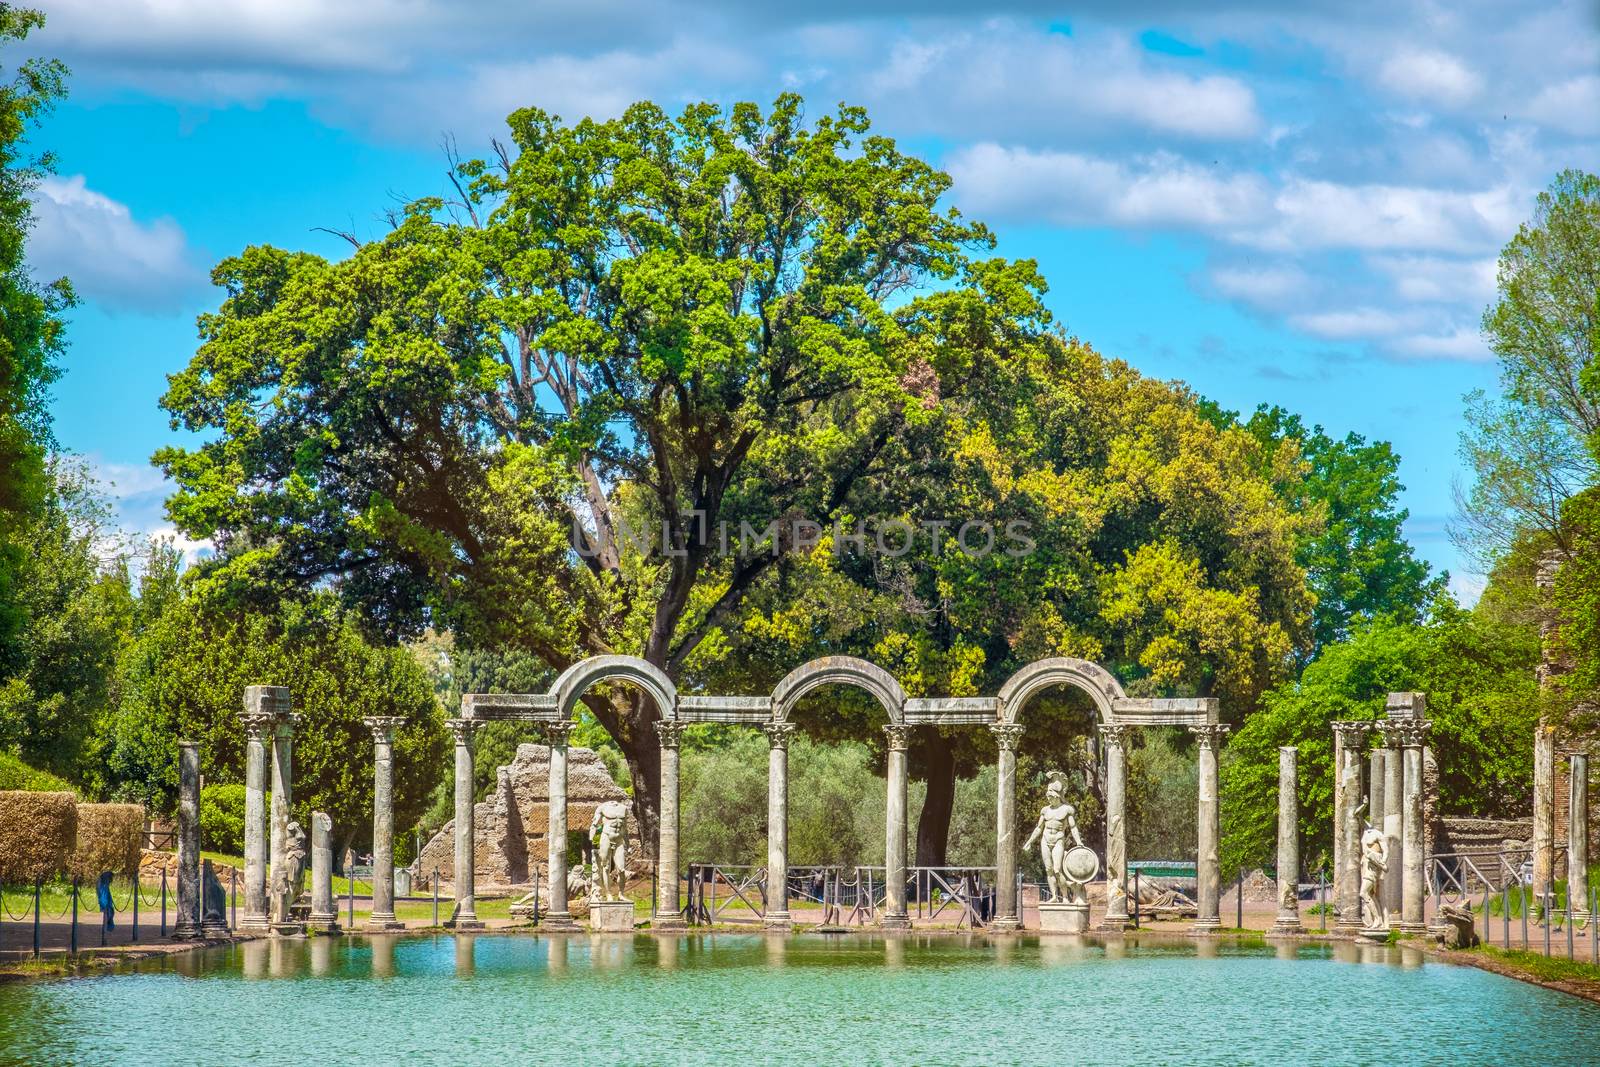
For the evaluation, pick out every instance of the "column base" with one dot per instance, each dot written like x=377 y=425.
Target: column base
x=215 y=931
x=1206 y=926
x=1286 y=928
x=1008 y=925
x=895 y=922
x=186 y=931
x=1409 y=928
x=670 y=921
x=464 y=922
x=288 y=929
x=254 y=924
x=383 y=924
x=324 y=926
x=558 y=921
x=777 y=920
x=1110 y=923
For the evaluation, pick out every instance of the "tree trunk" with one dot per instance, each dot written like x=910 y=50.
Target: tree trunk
x=933 y=826
x=641 y=748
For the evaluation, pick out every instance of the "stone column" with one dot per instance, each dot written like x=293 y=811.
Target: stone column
x=1347 y=871
x=1411 y=884
x=1578 y=835
x=262 y=705
x=558 y=918
x=187 y=927
x=382 y=917
x=1288 y=918
x=1393 y=777
x=894 y=846
x=778 y=823
x=282 y=786
x=466 y=912
x=669 y=912
x=1544 y=822
x=1006 y=915
x=324 y=915
x=1208 y=874
x=1376 y=798
x=1115 y=738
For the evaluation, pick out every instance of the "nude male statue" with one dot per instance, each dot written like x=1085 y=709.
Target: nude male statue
x=1374 y=862
x=607 y=830
x=1056 y=821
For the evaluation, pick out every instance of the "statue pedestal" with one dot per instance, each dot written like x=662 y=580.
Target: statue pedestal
x=1378 y=935
x=290 y=929
x=1063 y=918
x=611 y=916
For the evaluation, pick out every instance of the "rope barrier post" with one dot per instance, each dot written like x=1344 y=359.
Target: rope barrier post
x=1505 y=924
x=133 y=938
x=1136 y=898
x=38 y=893
x=1322 y=898
x=233 y=892
x=73 y=950
x=163 y=901
x=1594 y=931
x=436 y=898
x=1238 y=913
x=350 y=890
x=1486 y=934
x=1546 y=904
x=1570 y=936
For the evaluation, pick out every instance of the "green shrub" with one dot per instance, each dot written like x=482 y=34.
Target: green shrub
x=14 y=774
x=222 y=819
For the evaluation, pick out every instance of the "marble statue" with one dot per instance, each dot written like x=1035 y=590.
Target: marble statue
x=286 y=883
x=1056 y=821
x=1374 y=862
x=608 y=829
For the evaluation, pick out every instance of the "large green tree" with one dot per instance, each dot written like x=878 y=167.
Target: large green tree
x=30 y=323
x=1528 y=448
x=722 y=316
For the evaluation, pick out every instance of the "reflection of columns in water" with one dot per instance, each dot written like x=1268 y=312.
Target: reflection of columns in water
x=1115 y=739
x=1004 y=949
x=466 y=949
x=1288 y=918
x=557 y=958
x=253 y=957
x=1578 y=834
x=894 y=851
x=558 y=917
x=777 y=949
x=667 y=953
x=777 y=912
x=1411 y=884
x=1057 y=951
x=383 y=727
x=669 y=912
x=466 y=915
x=1117 y=948
x=894 y=952
x=1208 y=876
x=383 y=956
x=1207 y=948
x=321 y=956
x=1286 y=950
x=1006 y=736
x=278 y=962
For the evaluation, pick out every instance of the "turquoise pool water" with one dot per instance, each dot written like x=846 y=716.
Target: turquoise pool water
x=738 y=999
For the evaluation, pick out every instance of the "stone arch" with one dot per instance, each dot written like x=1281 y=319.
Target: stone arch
x=839 y=670
x=587 y=673
x=1090 y=678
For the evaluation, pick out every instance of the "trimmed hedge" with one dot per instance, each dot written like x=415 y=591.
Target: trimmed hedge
x=38 y=832
x=110 y=838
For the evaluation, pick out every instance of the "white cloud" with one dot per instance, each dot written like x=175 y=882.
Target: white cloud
x=1323 y=214
x=1438 y=279
x=1354 y=324
x=1572 y=106
x=1067 y=187
x=1460 y=344
x=1432 y=76
x=111 y=257
x=1267 y=287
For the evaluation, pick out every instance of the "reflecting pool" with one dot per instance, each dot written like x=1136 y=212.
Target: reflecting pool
x=750 y=998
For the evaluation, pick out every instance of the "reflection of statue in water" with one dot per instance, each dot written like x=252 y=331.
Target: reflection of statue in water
x=286 y=883
x=1056 y=821
x=1374 y=862
x=608 y=830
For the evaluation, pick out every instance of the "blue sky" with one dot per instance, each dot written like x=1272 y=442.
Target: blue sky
x=1297 y=208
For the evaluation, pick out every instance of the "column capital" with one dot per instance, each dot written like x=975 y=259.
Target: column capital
x=1392 y=731
x=558 y=732
x=1209 y=735
x=1349 y=733
x=899 y=736
x=778 y=733
x=1006 y=734
x=383 y=727
x=284 y=724
x=670 y=731
x=1114 y=734
x=258 y=727
x=463 y=729
x=1413 y=733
